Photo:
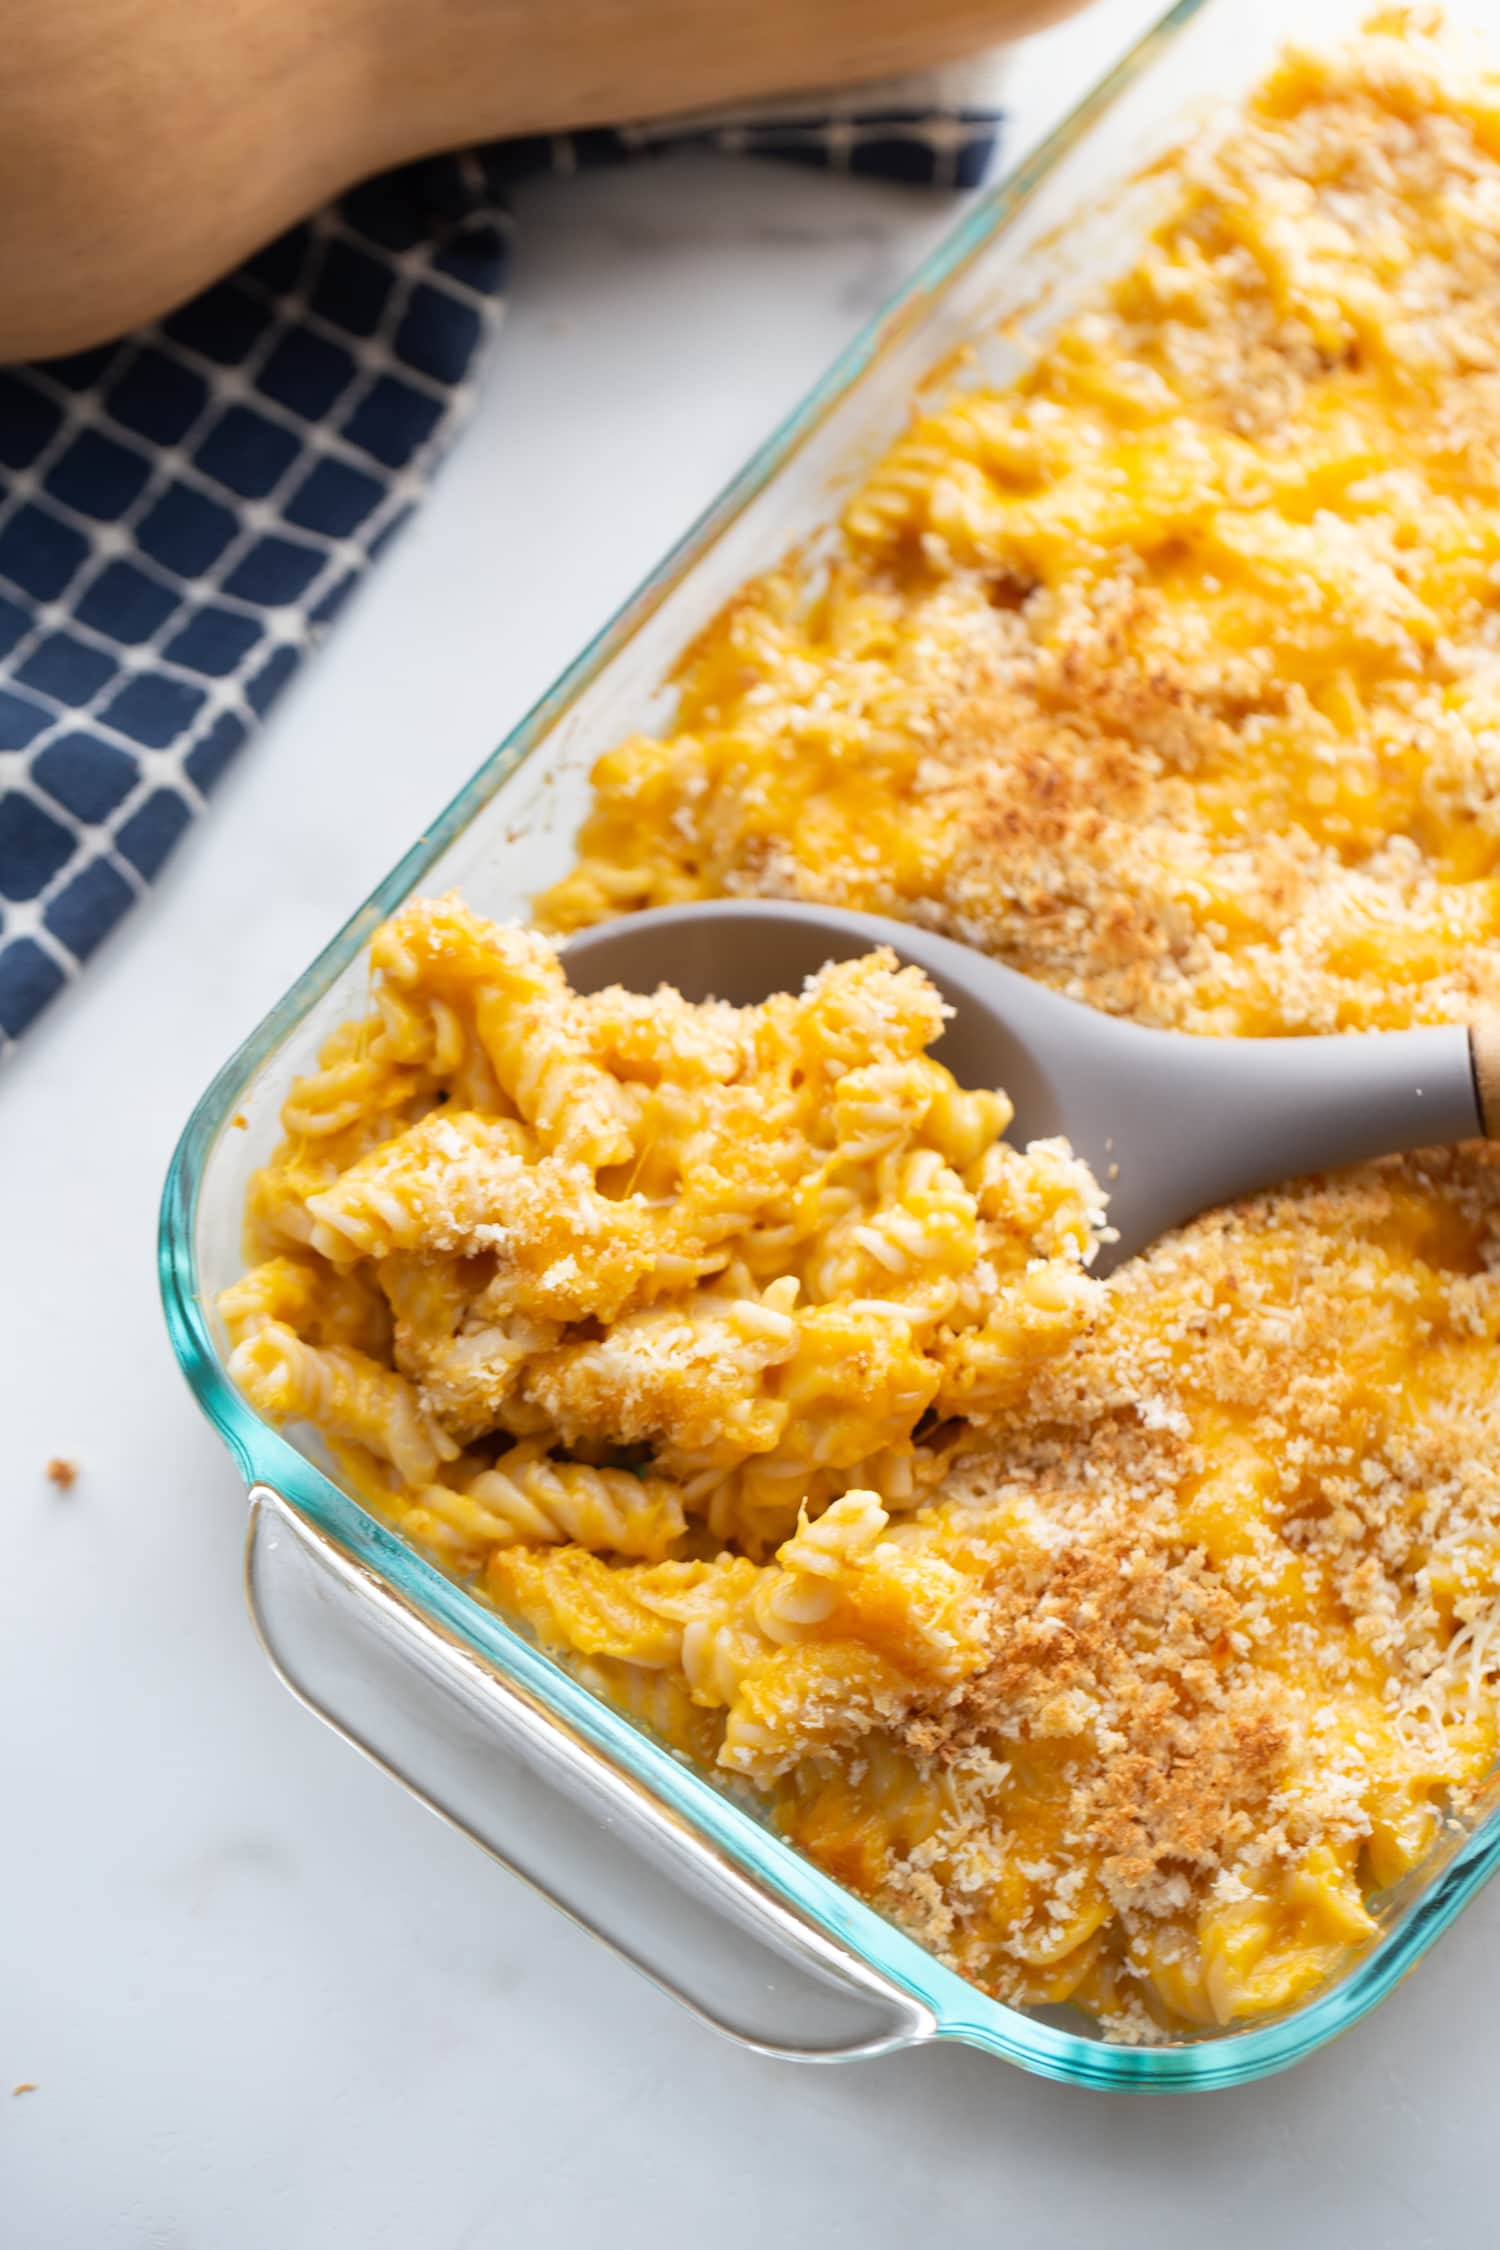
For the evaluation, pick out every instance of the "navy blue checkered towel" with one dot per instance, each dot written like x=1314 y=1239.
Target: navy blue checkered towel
x=183 y=512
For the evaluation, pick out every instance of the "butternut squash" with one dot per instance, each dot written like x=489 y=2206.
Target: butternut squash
x=148 y=145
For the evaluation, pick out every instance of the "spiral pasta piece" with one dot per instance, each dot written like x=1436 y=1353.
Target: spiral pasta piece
x=528 y=1499
x=346 y=1394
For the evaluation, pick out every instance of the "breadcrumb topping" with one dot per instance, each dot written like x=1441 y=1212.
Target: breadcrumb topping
x=1172 y=675
x=1127 y=1641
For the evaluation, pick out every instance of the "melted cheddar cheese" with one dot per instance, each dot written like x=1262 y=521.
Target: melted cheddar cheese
x=1124 y=1641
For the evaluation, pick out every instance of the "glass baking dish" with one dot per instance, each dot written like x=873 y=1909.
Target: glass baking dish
x=650 y=1854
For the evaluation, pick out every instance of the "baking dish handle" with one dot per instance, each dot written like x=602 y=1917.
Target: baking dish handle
x=477 y=1750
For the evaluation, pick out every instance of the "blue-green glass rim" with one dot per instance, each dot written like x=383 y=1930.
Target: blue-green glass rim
x=958 y=2010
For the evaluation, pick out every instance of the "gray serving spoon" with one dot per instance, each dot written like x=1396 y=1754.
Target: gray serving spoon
x=1170 y=1122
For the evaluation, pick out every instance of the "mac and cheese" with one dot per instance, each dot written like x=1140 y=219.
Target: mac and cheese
x=1123 y=1640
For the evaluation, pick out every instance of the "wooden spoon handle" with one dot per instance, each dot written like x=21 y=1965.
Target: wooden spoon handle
x=1484 y=1046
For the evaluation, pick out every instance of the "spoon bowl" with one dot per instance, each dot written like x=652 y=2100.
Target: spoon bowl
x=1170 y=1122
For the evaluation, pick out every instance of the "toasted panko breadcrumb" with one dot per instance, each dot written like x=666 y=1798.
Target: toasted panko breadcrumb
x=1125 y=1642
x=1172 y=677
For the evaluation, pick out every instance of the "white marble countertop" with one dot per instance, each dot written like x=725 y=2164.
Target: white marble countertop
x=269 y=2003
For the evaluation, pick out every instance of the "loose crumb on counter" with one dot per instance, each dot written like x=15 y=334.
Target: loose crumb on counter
x=62 y=1473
